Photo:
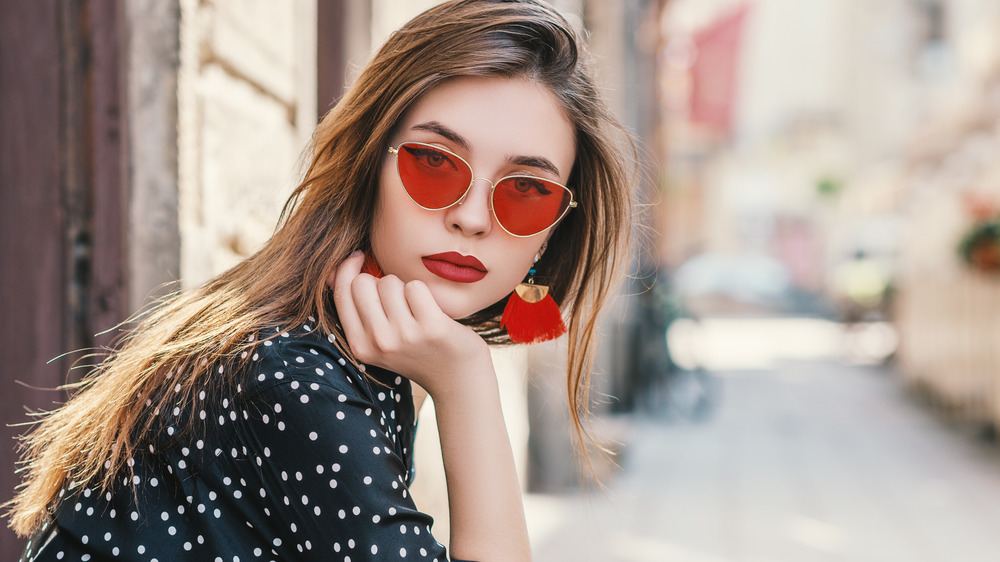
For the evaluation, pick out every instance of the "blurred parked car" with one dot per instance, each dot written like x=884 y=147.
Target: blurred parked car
x=714 y=284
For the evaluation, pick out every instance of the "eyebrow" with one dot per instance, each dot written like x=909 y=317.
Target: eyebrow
x=437 y=128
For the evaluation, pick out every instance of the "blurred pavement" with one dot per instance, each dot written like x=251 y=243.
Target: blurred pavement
x=810 y=459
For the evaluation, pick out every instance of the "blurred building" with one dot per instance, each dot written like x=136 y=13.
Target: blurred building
x=821 y=97
x=849 y=139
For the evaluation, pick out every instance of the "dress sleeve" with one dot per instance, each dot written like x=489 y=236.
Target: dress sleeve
x=330 y=470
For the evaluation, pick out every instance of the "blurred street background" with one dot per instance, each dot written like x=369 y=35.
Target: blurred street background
x=804 y=361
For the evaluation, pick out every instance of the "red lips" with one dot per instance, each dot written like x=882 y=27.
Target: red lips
x=453 y=266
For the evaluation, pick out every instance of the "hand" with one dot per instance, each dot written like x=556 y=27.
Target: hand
x=399 y=326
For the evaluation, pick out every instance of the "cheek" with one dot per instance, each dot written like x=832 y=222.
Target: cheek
x=385 y=216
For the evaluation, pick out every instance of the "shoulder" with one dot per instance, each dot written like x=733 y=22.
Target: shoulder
x=302 y=354
x=304 y=363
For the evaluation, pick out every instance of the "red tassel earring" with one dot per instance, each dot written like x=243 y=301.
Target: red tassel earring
x=531 y=314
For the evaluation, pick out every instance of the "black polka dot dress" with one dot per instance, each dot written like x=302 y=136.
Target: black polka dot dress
x=305 y=459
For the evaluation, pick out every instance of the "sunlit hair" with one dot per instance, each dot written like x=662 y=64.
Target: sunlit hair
x=196 y=340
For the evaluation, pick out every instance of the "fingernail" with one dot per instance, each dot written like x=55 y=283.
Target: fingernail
x=355 y=254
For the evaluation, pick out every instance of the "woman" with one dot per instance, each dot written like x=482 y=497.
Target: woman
x=269 y=414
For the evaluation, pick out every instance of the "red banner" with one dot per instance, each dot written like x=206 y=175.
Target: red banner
x=715 y=72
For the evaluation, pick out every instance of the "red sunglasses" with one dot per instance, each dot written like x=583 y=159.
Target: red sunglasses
x=436 y=179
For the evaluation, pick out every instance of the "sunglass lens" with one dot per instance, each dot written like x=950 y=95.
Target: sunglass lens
x=525 y=205
x=434 y=178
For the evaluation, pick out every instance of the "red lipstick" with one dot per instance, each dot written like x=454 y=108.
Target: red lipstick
x=453 y=266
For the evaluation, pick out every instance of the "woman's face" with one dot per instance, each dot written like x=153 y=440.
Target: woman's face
x=500 y=127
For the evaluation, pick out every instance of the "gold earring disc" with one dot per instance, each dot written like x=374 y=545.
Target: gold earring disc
x=531 y=293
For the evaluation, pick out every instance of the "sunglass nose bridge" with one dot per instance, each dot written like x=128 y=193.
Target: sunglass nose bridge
x=473 y=183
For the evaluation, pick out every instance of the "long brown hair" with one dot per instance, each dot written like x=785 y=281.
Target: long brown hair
x=175 y=351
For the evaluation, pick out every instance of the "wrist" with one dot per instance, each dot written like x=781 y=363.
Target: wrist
x=465 y=378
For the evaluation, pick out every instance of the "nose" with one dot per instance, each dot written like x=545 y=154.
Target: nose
x=472 y=215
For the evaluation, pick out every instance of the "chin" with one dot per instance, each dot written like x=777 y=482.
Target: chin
x=459 y=306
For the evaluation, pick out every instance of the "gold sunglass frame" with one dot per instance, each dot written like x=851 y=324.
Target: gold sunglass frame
x=493 y=185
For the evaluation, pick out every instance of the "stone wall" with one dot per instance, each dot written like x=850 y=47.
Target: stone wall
x=247 y=107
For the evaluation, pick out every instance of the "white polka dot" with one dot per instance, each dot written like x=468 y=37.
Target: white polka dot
x=187 y=546
x=402 y=529
x=294 y=385
x=340 y=415
x=333 y=483
x=368 y=480
x=392 y=511
x=313 y=436
x=305 y=500
x=343 y=449
x=356 y=510
x=304 y=398
x=164 y=516
x=374 y=549
x=172 y=530
x=376 y=518
x=257 y=552
x=317 y=511
x=335 y=467
x=402 y=553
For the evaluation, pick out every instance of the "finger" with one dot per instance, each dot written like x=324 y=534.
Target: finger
x=368 y=303
x=397 y=310
x=421 y=302
x=346 y=272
